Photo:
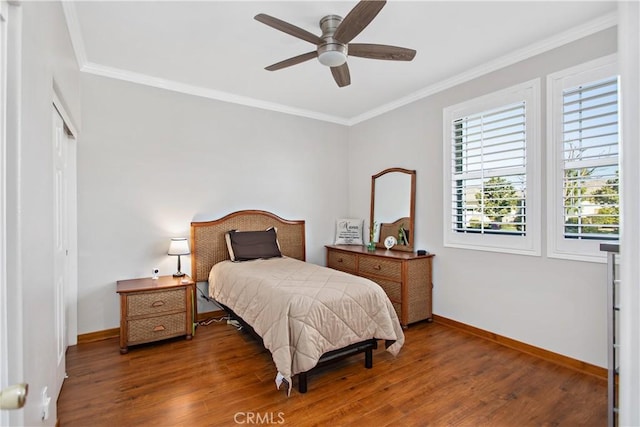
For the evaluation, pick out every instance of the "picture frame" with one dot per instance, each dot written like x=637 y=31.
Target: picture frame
x=349 y=231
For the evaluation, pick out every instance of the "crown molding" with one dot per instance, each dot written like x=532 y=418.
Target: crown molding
x=75 y=33
x=573 y=34
x=144 y=79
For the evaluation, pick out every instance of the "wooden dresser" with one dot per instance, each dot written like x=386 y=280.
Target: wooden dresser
x=155 y=309
x=405 y=276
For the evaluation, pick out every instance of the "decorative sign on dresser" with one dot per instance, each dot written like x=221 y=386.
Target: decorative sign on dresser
x=404 y=276
x=155 y=309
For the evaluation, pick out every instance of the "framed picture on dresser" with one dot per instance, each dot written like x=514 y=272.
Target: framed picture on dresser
x=349 y=231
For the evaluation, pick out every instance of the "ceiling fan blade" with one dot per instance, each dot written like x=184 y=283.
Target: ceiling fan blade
x=341 y=75
x=292 y=61
x=381 y=51
x=356 y=20
x=290 y=29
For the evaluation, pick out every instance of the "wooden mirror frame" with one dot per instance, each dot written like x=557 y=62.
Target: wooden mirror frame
x=412 y=208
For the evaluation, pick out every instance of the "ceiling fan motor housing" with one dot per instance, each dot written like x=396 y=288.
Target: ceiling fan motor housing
x=331 y=52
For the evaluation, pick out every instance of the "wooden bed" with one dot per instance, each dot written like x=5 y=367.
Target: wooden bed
x=208 y=247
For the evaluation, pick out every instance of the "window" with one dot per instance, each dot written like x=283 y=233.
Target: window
x=489 y=162
x=491 y=172
x=583 y=160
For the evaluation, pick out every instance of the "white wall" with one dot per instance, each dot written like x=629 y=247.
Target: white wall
x=150 y=161
x=41 y=58
x=629 y=46
x=553 y=304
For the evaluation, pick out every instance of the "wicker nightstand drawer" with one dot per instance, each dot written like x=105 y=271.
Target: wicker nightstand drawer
x=342 y=261
x=145 y=303
x=156 y=328
x=155 y=309
x=380 y=267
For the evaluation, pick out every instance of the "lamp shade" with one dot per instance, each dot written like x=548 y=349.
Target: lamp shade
x=179 y=246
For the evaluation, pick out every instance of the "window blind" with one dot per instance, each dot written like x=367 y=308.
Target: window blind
x=489 y=171
x=590 y=161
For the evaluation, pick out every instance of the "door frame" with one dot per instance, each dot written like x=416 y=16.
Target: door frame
x=4 y=344
x=65 y=241
x=10 y=299
x=628 y=48
x=71 y=289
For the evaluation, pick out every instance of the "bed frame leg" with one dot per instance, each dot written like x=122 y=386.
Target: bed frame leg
x=302 y=382
x=368 y=358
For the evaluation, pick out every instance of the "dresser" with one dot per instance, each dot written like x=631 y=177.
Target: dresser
x=404 y=276
x=155 y=309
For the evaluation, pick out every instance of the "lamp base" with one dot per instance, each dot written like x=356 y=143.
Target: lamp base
x=178 y=274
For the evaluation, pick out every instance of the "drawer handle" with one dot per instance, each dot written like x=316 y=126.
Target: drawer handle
x=159 y=328
x=377 y=267
x=157 y=304
x=339 y=259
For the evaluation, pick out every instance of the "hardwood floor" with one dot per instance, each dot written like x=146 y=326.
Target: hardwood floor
x=442 y=377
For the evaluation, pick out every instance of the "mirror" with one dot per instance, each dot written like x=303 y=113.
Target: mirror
x=393 y=206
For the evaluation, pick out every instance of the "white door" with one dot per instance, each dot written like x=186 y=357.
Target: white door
x=61 y=242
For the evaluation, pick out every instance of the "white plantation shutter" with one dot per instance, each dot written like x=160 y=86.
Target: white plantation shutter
x=491 y=200
x=590 y=160
x=488 y=171
x=582 y=152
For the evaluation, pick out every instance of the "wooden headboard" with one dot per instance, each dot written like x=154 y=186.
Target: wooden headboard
x=208 y=246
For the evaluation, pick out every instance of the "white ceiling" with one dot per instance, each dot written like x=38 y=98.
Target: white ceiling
x=216 y=49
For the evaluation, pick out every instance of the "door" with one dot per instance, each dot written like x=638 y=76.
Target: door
x=61 y=242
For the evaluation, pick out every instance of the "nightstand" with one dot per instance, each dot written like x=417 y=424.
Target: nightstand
x=155 y=309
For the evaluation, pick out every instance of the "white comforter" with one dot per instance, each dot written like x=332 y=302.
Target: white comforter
x=302 y=310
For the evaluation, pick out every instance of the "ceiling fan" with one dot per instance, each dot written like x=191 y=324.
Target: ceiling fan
x=333 y=47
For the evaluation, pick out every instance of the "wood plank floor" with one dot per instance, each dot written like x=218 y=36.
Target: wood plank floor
x=442 y=377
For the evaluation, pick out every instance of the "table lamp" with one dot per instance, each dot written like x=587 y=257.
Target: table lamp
x=179 y=246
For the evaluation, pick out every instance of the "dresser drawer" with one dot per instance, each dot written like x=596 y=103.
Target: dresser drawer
x=146 y=303
x=341 y=261
x=380 y=267
x=157 y=328
x=392 y=289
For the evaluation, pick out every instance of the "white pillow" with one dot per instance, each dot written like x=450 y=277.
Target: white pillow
x=349 y=231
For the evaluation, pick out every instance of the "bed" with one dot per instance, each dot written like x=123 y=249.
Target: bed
x=306 y=315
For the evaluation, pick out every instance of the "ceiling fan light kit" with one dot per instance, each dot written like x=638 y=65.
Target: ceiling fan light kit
x=333 y=56
x=331 y=52
x=332 y=48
